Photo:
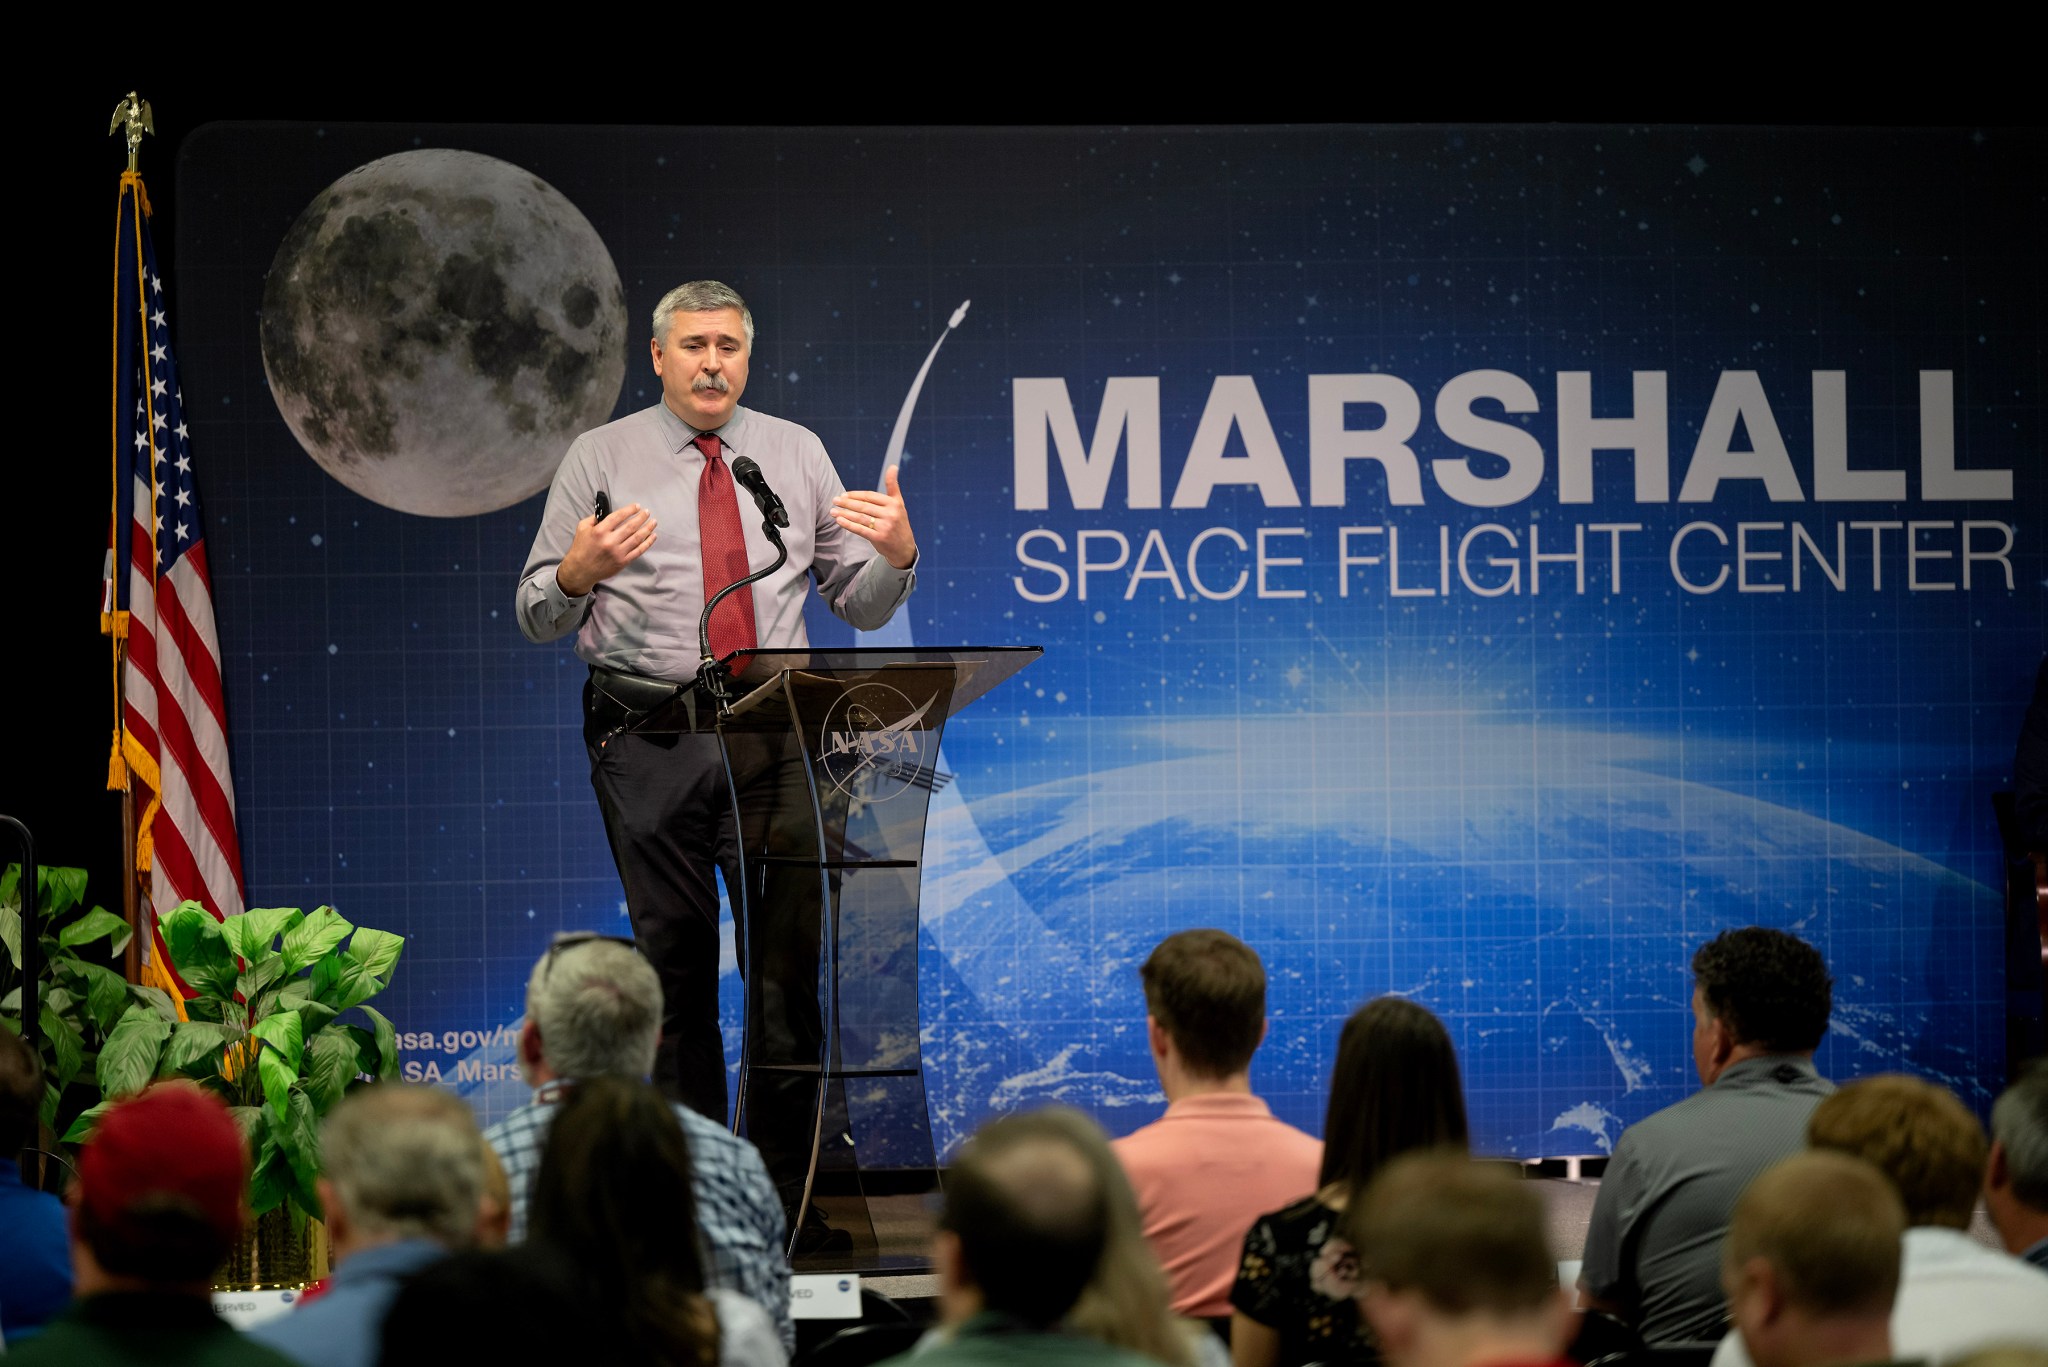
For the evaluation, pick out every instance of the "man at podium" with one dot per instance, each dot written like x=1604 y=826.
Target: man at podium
x=643 y=525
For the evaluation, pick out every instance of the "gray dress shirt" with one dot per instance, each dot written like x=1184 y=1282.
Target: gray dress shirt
x=1654 y=1243
x=644 y=618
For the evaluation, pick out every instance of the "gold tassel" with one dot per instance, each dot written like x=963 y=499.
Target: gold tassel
x=117 y=769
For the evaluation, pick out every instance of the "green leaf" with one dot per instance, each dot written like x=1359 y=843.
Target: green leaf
x=10 y=886
x=156 y=999
x=207 y=1009
x=285 y=1033
x=95 y=924
x=200 y=951
x=315 y=1016
x=249 y=1120
x=314 y=938
x=53 y=1096
x=376 y=950
x=387 y=1044
x=10 y=1005
x=355 y=985
x=106 y=994
x=58 y=999
x=82 y=1128
x=58 y=890
x=277 y=1076
x=330 y=1066
x=367 y=1055
x=259 y=975
x=66 y=1045
x=10 y=934
x=270 y=1180
x=298 y=1139
x=199 y=1042
x=129 y=1057
x=251 y=933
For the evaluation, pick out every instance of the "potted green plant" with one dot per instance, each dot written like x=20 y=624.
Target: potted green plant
x=266 y=1030
x=80 y=998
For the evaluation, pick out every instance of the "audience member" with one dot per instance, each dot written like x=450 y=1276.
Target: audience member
x=614 y=1198
x=1955 y=1295
x=155 y=1212
x=1395 y=1088
x=1218 y=1157
x=494 y=1212
x=593 y=1010
x=1127 y=1303
x=501 y=1306
x=2016 y=1176
x=401 y=1181
x=1811 y=1263
x=35 y=1255
x=1760 y=1006
x=1455 y=1265
x=1021 y=1236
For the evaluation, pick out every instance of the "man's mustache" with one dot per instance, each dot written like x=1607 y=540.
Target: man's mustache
x=716 y=382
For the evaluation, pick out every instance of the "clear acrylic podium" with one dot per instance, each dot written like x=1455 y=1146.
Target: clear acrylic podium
x=832 y=757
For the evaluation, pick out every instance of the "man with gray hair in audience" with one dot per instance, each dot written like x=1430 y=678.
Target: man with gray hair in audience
x=594 y=1009
x=2016 y=1176
x=402 y=1174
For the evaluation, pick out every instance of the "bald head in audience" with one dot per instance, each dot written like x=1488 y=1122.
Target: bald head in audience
x=1024 y=1223
x=1455 y=1260
x=1811 y=1262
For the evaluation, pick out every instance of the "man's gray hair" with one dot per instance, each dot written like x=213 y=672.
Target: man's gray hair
x=406 y=1160
x=2019 y=1121
x=597 y=1005
x=701 y=296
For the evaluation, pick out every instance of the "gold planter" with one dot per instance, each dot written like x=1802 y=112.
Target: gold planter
x=272 y=1256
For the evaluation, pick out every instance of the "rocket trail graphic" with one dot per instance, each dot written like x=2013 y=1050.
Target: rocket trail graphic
x=896 y=631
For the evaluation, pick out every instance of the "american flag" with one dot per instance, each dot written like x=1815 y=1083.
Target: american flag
x=158 y=597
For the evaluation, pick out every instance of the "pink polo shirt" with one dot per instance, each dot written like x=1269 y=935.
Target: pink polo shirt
x=1203 y=1172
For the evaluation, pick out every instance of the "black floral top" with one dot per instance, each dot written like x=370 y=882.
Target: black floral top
x=1298 y=1278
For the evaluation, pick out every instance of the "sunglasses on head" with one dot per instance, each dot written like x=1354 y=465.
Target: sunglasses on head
x=569 y=939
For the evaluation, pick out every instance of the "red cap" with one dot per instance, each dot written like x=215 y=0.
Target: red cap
x=170 y=1140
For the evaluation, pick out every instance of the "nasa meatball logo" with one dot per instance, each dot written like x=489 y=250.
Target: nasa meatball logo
x=874 y=744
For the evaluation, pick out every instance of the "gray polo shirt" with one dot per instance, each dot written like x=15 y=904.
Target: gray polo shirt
x=1654 y=1245
x=644 y=618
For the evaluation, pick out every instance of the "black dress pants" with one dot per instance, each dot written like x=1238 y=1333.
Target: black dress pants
x=670 y=817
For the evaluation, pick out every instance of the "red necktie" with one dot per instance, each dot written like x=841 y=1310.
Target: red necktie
x=724 y=547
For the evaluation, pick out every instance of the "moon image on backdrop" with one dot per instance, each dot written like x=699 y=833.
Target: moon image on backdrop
x=438 y=326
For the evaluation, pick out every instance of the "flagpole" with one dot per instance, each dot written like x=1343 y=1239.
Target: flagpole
x=131 y=118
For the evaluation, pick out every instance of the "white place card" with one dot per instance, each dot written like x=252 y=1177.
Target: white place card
x=824 y=1296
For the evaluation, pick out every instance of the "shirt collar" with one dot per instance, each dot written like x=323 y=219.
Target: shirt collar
x=680 y=434
x=1768 y=1068
x=397 y=1259
x=1236 y=1105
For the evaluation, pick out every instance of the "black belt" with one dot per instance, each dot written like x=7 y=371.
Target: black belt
x=617 y=701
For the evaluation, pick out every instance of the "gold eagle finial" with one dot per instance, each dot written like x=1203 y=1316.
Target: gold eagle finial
x=133 y=113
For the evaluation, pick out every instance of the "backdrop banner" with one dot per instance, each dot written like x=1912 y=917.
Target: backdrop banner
x=1477 y=564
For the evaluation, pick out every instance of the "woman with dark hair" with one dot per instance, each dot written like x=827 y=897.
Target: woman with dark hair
x=613 y=1197
x=1395 y=1088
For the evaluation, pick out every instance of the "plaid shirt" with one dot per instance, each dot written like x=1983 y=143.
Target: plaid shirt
x=738 y=1213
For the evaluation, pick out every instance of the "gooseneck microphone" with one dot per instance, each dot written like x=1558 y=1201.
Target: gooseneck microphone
x=754 y=482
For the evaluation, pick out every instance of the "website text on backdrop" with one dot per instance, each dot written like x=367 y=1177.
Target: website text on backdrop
x=1955 y=1295
x=1760 y=1004
x=401 y=1182
x=1811 y=1262
x=1218 y=1158
x=593 y=1009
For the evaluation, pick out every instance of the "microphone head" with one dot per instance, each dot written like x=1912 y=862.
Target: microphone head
x=745 y=470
